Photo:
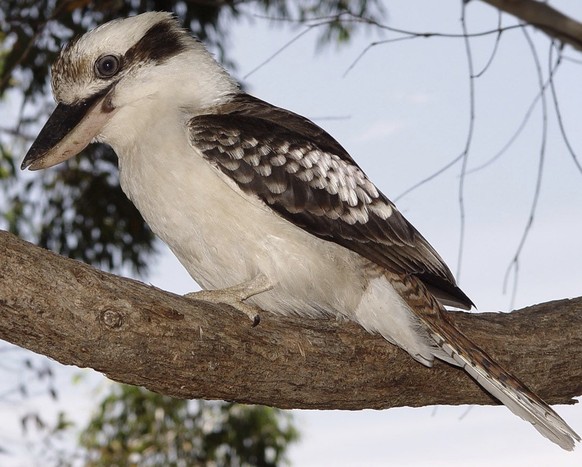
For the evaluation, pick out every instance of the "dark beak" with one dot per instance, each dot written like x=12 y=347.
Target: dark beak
x=69 y=130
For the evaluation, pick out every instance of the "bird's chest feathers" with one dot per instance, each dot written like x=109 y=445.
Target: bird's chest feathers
x=186 y=202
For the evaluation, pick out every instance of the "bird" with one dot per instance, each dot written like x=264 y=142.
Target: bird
x=263 y=208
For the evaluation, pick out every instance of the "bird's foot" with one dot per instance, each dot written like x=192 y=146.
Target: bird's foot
x=236 y=295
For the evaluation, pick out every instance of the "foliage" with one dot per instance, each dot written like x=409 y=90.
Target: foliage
x=134 y=426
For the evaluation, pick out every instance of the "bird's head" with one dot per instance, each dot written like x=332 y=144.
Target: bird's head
x=103 y=78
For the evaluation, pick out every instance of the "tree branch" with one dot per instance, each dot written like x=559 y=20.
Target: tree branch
x=140 y=335
x=541 y=15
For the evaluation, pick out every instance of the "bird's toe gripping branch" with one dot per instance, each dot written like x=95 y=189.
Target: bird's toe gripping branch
x=235 y=296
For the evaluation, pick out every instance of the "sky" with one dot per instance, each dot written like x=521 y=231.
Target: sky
x=402 y=111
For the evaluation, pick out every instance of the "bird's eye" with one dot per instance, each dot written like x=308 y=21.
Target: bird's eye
x=107 y=66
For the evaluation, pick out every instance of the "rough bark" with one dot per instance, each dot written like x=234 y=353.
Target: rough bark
x=138 y=334
x=541 y=15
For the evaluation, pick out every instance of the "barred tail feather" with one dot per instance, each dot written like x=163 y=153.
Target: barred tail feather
x=503 y=385
x=454 y=347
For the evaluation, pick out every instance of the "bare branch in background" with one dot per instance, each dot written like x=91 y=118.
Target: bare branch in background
x=544 y=17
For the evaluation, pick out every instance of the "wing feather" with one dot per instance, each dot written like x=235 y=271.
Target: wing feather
x=307 y=177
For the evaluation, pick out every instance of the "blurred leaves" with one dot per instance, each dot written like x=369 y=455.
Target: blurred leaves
x=80 y=211
x=24 y=376
x=134 y=426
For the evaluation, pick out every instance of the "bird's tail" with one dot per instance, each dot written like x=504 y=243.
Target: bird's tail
x=500 y=383
x=455 y=347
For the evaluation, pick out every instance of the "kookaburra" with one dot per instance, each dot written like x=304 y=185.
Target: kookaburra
x=256 y=198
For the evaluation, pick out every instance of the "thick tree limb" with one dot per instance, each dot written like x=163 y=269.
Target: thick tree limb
x=141 y=335
x=541 y=15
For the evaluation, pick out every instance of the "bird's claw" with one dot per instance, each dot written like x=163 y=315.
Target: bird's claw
x=236 y=295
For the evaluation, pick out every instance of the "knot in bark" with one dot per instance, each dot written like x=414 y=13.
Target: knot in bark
x=112 y=319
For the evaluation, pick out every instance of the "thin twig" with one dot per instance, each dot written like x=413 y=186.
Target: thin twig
x=514 y=264
x=559 y=116
x=465 y=153
x=495 y=48
x=520 y=128
x=359 y=19
x=350 y=17
x=278 y=51
x=571 y=59
x=416 y=35
x=513 y=137
x=432 y=176
x=374 y=44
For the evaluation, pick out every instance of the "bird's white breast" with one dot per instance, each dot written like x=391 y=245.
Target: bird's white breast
x=224 y=237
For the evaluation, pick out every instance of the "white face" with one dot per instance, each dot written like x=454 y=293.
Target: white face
x=95 y=74
x=74 y=74
x=106 y=78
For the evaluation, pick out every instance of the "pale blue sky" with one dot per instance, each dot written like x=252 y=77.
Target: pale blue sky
x=407 y=110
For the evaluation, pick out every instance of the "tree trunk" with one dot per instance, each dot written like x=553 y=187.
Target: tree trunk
x=138 y=334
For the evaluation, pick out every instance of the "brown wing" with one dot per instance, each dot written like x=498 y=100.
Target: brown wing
x=307 y=177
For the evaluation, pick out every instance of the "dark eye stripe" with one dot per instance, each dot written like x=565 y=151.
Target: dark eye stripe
x=161 y=42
